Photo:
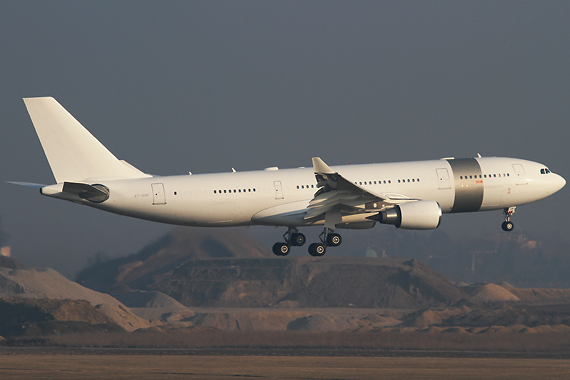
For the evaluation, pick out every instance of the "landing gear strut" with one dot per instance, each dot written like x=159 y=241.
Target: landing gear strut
x=507 y=224
x=293 y=238
x=328 y=239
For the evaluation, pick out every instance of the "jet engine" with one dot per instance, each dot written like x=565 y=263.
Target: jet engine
x=416 y=215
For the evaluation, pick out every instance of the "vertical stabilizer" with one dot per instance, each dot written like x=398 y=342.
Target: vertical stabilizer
x=74 y=155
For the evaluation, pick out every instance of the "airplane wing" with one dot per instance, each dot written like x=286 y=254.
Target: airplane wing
x=337 y=192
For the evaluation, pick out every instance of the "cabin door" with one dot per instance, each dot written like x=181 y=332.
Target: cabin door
x=443 y=179
x=521 y=175
x=278 y=190
x=158 y=197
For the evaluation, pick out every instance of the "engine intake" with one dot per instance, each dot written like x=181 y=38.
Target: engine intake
x=417 y=215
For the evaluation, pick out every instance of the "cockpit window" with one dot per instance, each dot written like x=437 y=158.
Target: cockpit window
x=544 y=171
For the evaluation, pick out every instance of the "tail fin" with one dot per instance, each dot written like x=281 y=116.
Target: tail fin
x=74 y=155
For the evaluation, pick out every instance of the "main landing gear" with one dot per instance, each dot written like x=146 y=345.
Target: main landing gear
x=328 y=238
x=507 y=224
x=293 y=238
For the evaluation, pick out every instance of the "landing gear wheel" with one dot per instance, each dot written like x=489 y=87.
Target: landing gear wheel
x=334 y=240
x=281 y=249
x=507 y=226
x=317 y=249
x=298 y=239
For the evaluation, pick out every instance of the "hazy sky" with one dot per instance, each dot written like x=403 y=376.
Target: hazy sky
x=173 y=87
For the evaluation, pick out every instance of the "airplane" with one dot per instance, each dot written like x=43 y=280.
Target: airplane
x=408 y=195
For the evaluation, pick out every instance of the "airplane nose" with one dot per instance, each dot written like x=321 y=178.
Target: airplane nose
x=559 y=183
x=562 y=182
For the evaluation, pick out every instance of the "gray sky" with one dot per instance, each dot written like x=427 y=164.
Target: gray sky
x=173 y=87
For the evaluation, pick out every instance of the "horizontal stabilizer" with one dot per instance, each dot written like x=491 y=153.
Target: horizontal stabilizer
x=27 y=184
x=92 y=193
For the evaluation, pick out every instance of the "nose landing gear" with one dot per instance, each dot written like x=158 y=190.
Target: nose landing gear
x=507 y=224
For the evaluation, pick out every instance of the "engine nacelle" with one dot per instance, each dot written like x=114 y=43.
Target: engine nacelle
x=417 y=215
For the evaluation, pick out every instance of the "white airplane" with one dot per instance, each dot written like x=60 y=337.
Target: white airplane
x=409 y=195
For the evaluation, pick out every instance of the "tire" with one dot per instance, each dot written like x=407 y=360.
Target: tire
x=317 y=249
x=298 y=239
x=281 y=249
x=334 y=240
x=507 y=226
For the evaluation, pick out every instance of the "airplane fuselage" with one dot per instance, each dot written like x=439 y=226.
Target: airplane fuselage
x=278 y=197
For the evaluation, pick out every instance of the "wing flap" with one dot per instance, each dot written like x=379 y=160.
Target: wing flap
x=335 y=191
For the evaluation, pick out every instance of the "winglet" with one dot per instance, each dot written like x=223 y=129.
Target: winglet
x=320 y=167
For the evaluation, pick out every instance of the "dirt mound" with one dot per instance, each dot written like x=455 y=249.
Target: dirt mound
x=123 y=317
x=308 y=282
x=8 y=262
x=489 y=293
x=46 y=283
x=176 y=248
x=542 y=295
x=149 y=299
x=323 y=323
x=52 y=286
x=21 y=316
x=226 y=319
x=434 y=317
x=263 y=320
